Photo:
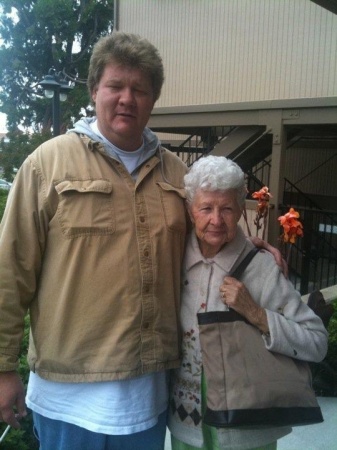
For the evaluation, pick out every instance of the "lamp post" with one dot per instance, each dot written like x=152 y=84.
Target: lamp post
x=55 y=87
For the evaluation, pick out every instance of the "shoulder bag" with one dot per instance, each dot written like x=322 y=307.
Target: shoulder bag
x=248 y=385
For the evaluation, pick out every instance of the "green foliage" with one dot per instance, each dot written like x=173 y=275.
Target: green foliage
x=41 y=34
x=22 y=439
x=16 y=149
x=331 y=357
x=325 y=373
x=3 y=200
x=16 y=440
x=23 y=367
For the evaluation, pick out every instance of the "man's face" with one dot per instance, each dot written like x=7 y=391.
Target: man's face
x=124 y=101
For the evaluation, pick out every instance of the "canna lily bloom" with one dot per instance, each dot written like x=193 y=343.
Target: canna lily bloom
x=292 y=227
x=262 y=196
x=262 y=208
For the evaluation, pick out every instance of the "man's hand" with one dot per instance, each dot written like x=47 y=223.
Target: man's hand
x=12 y=399
x=274 y=251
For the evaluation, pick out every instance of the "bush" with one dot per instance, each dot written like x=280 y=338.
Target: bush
x=331 y=357
x=22 y=439
x=3 y=200
x=325 y=373
x=16 y=148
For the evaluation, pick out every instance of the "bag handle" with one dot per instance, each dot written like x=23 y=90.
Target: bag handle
x=238 y=271
x=244 y=263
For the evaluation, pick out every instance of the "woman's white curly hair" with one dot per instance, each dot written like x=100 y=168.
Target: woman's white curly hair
x=215 y=173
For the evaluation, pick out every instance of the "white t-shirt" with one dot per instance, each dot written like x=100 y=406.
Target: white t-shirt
x=109 y=407
x=131 y=160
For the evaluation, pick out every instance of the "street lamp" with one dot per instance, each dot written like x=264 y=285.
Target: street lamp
x=55 y=87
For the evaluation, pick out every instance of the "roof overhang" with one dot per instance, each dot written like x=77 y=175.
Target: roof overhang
x=304 y=111
x=330 y=5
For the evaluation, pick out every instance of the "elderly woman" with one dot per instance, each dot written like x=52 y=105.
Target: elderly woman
x=215 y=191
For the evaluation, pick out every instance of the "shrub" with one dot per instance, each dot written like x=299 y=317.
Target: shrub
x=3 y=200
x=22 y=439
x=331 y=357
x=325 y=373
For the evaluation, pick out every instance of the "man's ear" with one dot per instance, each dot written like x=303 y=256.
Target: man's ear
x=94 y=94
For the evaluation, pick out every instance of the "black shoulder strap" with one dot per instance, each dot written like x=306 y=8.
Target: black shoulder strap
x=244 y=263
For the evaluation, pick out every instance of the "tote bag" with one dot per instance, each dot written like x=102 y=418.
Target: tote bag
x=248 y=385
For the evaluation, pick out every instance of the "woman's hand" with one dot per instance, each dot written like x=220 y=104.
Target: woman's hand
x=259 y=243
x=236 y=296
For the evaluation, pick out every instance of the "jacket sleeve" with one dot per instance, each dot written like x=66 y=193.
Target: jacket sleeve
x=295 y=330
x=23 y=234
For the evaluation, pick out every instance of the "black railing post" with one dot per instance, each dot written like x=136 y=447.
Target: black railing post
x=306 y=247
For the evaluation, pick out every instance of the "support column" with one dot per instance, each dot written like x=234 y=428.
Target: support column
x=277 y=173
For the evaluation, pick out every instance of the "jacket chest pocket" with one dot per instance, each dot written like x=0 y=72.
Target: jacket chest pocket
x=173 y=205
x=85 y=207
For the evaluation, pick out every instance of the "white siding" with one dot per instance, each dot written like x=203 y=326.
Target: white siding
x=227 y=51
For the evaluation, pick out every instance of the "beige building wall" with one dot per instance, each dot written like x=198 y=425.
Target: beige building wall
x=228 y=51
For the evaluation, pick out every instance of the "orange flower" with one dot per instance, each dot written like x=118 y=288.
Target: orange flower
x=262 y=196
x=262 y=209
x=292 y=227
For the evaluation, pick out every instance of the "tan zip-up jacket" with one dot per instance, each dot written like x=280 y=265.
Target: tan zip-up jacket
x=96 y=258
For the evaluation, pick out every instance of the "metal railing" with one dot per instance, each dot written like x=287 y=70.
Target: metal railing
x=258 y=176
x=313 y=260
x=198 y=145
x=193 y=148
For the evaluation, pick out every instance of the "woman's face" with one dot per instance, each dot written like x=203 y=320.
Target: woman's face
x=215 y=215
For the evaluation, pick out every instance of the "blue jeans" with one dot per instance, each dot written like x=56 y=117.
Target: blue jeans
x=58 y=435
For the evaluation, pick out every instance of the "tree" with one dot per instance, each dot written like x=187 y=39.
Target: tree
x=15 y=149
x=42 y=34
x=38 y=35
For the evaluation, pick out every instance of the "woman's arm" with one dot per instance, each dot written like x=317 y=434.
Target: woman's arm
x=294 y=329
x=270 y=302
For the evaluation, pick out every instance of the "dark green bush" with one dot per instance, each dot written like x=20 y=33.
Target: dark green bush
x=325 y=373
x=22 y=439
x=332 y=351
x=3 y=200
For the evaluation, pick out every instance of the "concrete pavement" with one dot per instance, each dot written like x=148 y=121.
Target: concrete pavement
x=322 y=436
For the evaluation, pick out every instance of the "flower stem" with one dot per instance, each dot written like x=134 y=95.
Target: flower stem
x=244 y=213
x=289 y=253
